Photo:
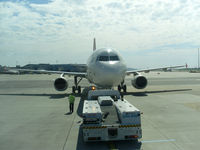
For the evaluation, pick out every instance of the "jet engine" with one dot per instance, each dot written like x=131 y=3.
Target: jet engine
x=60 y=84
x=139 y=82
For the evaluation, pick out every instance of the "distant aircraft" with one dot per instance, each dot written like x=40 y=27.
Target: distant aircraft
x=6 y=70
x=106 y=69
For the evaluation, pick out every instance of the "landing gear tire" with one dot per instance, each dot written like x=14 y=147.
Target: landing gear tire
x=79 y=89
x=124 y=88
x=119 y=88
x=73 y=89
x=76 y=87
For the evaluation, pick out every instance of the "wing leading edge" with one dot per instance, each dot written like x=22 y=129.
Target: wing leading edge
x=152 y=69
x=79 y=74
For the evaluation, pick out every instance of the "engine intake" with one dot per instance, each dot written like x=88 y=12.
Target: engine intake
x=61 y=84
x=139 y=82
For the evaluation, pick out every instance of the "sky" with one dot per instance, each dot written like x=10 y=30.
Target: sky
x=147 y=33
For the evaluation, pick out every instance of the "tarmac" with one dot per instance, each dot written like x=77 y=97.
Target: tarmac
x=33 y=115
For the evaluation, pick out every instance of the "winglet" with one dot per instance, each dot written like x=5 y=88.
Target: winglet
x=94 y=45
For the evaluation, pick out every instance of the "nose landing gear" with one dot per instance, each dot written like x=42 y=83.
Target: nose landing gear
x=76 y=87
x=122 y=87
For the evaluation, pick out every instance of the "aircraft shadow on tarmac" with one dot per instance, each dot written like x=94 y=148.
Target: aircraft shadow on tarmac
x=145 y=93
x=51 y=96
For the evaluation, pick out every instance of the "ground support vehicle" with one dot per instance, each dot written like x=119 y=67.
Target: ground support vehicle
x=107 y=117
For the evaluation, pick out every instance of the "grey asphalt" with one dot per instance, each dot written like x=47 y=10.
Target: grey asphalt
x=35 y=116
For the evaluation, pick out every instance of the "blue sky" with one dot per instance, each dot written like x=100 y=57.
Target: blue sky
x=147 y=33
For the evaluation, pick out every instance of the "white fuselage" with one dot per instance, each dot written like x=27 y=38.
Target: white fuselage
x=106 y=68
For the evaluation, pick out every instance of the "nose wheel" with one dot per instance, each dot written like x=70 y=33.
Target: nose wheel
x=122 y=87
x=76 y=87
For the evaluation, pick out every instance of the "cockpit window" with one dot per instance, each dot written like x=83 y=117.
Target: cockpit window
x=114 y=58
x=108 y=58
x=103 y=58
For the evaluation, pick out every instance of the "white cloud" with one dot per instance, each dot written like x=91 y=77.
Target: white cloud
x=68 y=26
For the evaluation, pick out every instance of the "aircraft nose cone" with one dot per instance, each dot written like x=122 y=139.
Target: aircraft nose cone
x=113 y=77
x=111 y=74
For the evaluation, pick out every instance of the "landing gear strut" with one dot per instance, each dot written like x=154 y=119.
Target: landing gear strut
x=76 y=87
x=123 y=87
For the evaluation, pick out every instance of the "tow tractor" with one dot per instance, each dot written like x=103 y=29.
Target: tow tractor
x=108 y=117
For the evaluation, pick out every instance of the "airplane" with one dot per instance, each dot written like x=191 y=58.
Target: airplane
x=6 y=70
x=106 y=69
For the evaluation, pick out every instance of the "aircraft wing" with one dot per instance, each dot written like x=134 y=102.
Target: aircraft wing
x=152 y=69
x=80 y=74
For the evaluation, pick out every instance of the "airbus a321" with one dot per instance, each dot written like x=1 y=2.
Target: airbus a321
x=106 y=69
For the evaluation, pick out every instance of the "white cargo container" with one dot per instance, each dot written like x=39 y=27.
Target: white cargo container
x=91 y=112
x=105 y=101
x=128 y=113
x=108 y=118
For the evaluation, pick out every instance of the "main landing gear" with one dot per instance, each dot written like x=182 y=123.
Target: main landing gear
x=76 y=87
x=123 y=87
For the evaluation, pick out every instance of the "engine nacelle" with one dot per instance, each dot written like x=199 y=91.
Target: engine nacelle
x=61 y=84
x=139 y=82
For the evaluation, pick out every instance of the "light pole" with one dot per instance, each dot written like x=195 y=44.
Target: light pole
x=198 y=58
